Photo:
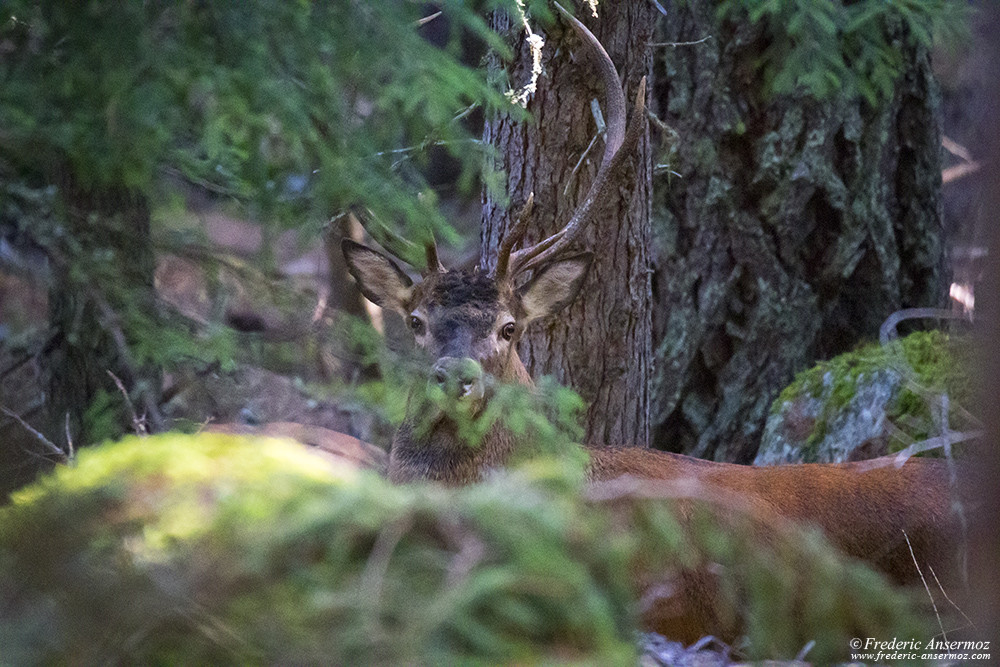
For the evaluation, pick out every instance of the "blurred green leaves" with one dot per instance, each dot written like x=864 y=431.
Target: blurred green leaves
x=214 y=549
x=292 y=108
x=824 y=46
x=221 y=550
x=285 y=112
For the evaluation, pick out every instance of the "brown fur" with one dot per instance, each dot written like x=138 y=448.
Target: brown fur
x=863 y=508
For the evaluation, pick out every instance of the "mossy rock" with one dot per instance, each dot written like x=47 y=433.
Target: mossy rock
x=219 y=549
x=877 y=398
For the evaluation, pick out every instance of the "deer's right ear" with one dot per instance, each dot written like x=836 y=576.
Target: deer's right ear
x=379 y=278
x=554 y=287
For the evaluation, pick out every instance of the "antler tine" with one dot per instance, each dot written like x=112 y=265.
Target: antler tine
x=619 y=143
x=546 y=250
x=396 y=244
x=431 y=251
x=384 y=236
x=513 y=237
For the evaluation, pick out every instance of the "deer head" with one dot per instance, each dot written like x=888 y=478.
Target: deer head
x=469 y=322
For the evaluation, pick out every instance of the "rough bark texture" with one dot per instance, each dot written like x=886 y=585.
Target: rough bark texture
x=87 y=307
x=600 y=345
x=794 y=228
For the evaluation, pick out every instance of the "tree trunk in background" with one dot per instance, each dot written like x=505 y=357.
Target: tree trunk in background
x=794 y=228
x=107 y=228
x=600 y=345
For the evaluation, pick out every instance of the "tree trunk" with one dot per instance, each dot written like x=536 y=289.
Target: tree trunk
x=792 y=229
x=600 y=345
x=102 y=278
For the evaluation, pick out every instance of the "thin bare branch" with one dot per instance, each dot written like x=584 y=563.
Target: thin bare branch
x=576 y=167
x=952 y=174
x=950 y=601
x=956 y=149
x=675 y=44
x=926 y=587
x=69 y=439
x=52 y=447
x=901 y=457
x=138 y=423
x=427 y=19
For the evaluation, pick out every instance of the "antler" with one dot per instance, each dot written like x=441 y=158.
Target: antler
x=618 y=145
x=396 y=244
x=434 y=264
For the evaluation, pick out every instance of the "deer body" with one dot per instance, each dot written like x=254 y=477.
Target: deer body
x=863 y=507
x=469 y=322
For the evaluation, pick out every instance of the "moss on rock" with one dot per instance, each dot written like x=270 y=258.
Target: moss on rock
x=839 y=404
x=218 y=549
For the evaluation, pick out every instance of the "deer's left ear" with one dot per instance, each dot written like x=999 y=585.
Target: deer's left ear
x=554 y=287
x=379 y=278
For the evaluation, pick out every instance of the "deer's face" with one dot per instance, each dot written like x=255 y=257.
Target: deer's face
x=468 y=323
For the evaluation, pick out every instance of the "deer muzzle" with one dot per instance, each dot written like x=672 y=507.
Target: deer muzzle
x=459 y=378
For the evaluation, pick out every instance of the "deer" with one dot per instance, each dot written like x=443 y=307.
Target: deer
x=468 y=323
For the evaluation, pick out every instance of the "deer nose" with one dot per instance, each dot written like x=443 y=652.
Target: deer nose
x=459 y=378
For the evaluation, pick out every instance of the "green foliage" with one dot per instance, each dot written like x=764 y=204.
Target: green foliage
x=216 y=549
x=289 y=111
x=221 y=550
x=289 y=107
x=547 y=415
x=827 y=46
x=755 y=575
x=943 y=365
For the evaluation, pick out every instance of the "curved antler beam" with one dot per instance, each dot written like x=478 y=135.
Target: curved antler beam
x=619 y=144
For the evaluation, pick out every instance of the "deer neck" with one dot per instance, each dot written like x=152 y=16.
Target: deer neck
x=439 y=453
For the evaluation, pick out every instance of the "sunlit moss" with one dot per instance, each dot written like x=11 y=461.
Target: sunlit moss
x=216 y=549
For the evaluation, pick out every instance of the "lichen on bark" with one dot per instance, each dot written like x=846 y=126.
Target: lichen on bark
x=789 y=229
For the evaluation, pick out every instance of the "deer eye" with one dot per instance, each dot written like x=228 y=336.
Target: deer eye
x=508 y=331
x=416 y=325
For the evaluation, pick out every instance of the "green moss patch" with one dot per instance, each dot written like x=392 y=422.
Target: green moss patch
x=929 y=363
x=217 y=549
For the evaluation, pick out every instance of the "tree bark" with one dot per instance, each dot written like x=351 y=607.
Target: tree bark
x=788 y=231
x=102 y=276
x=600 y=345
